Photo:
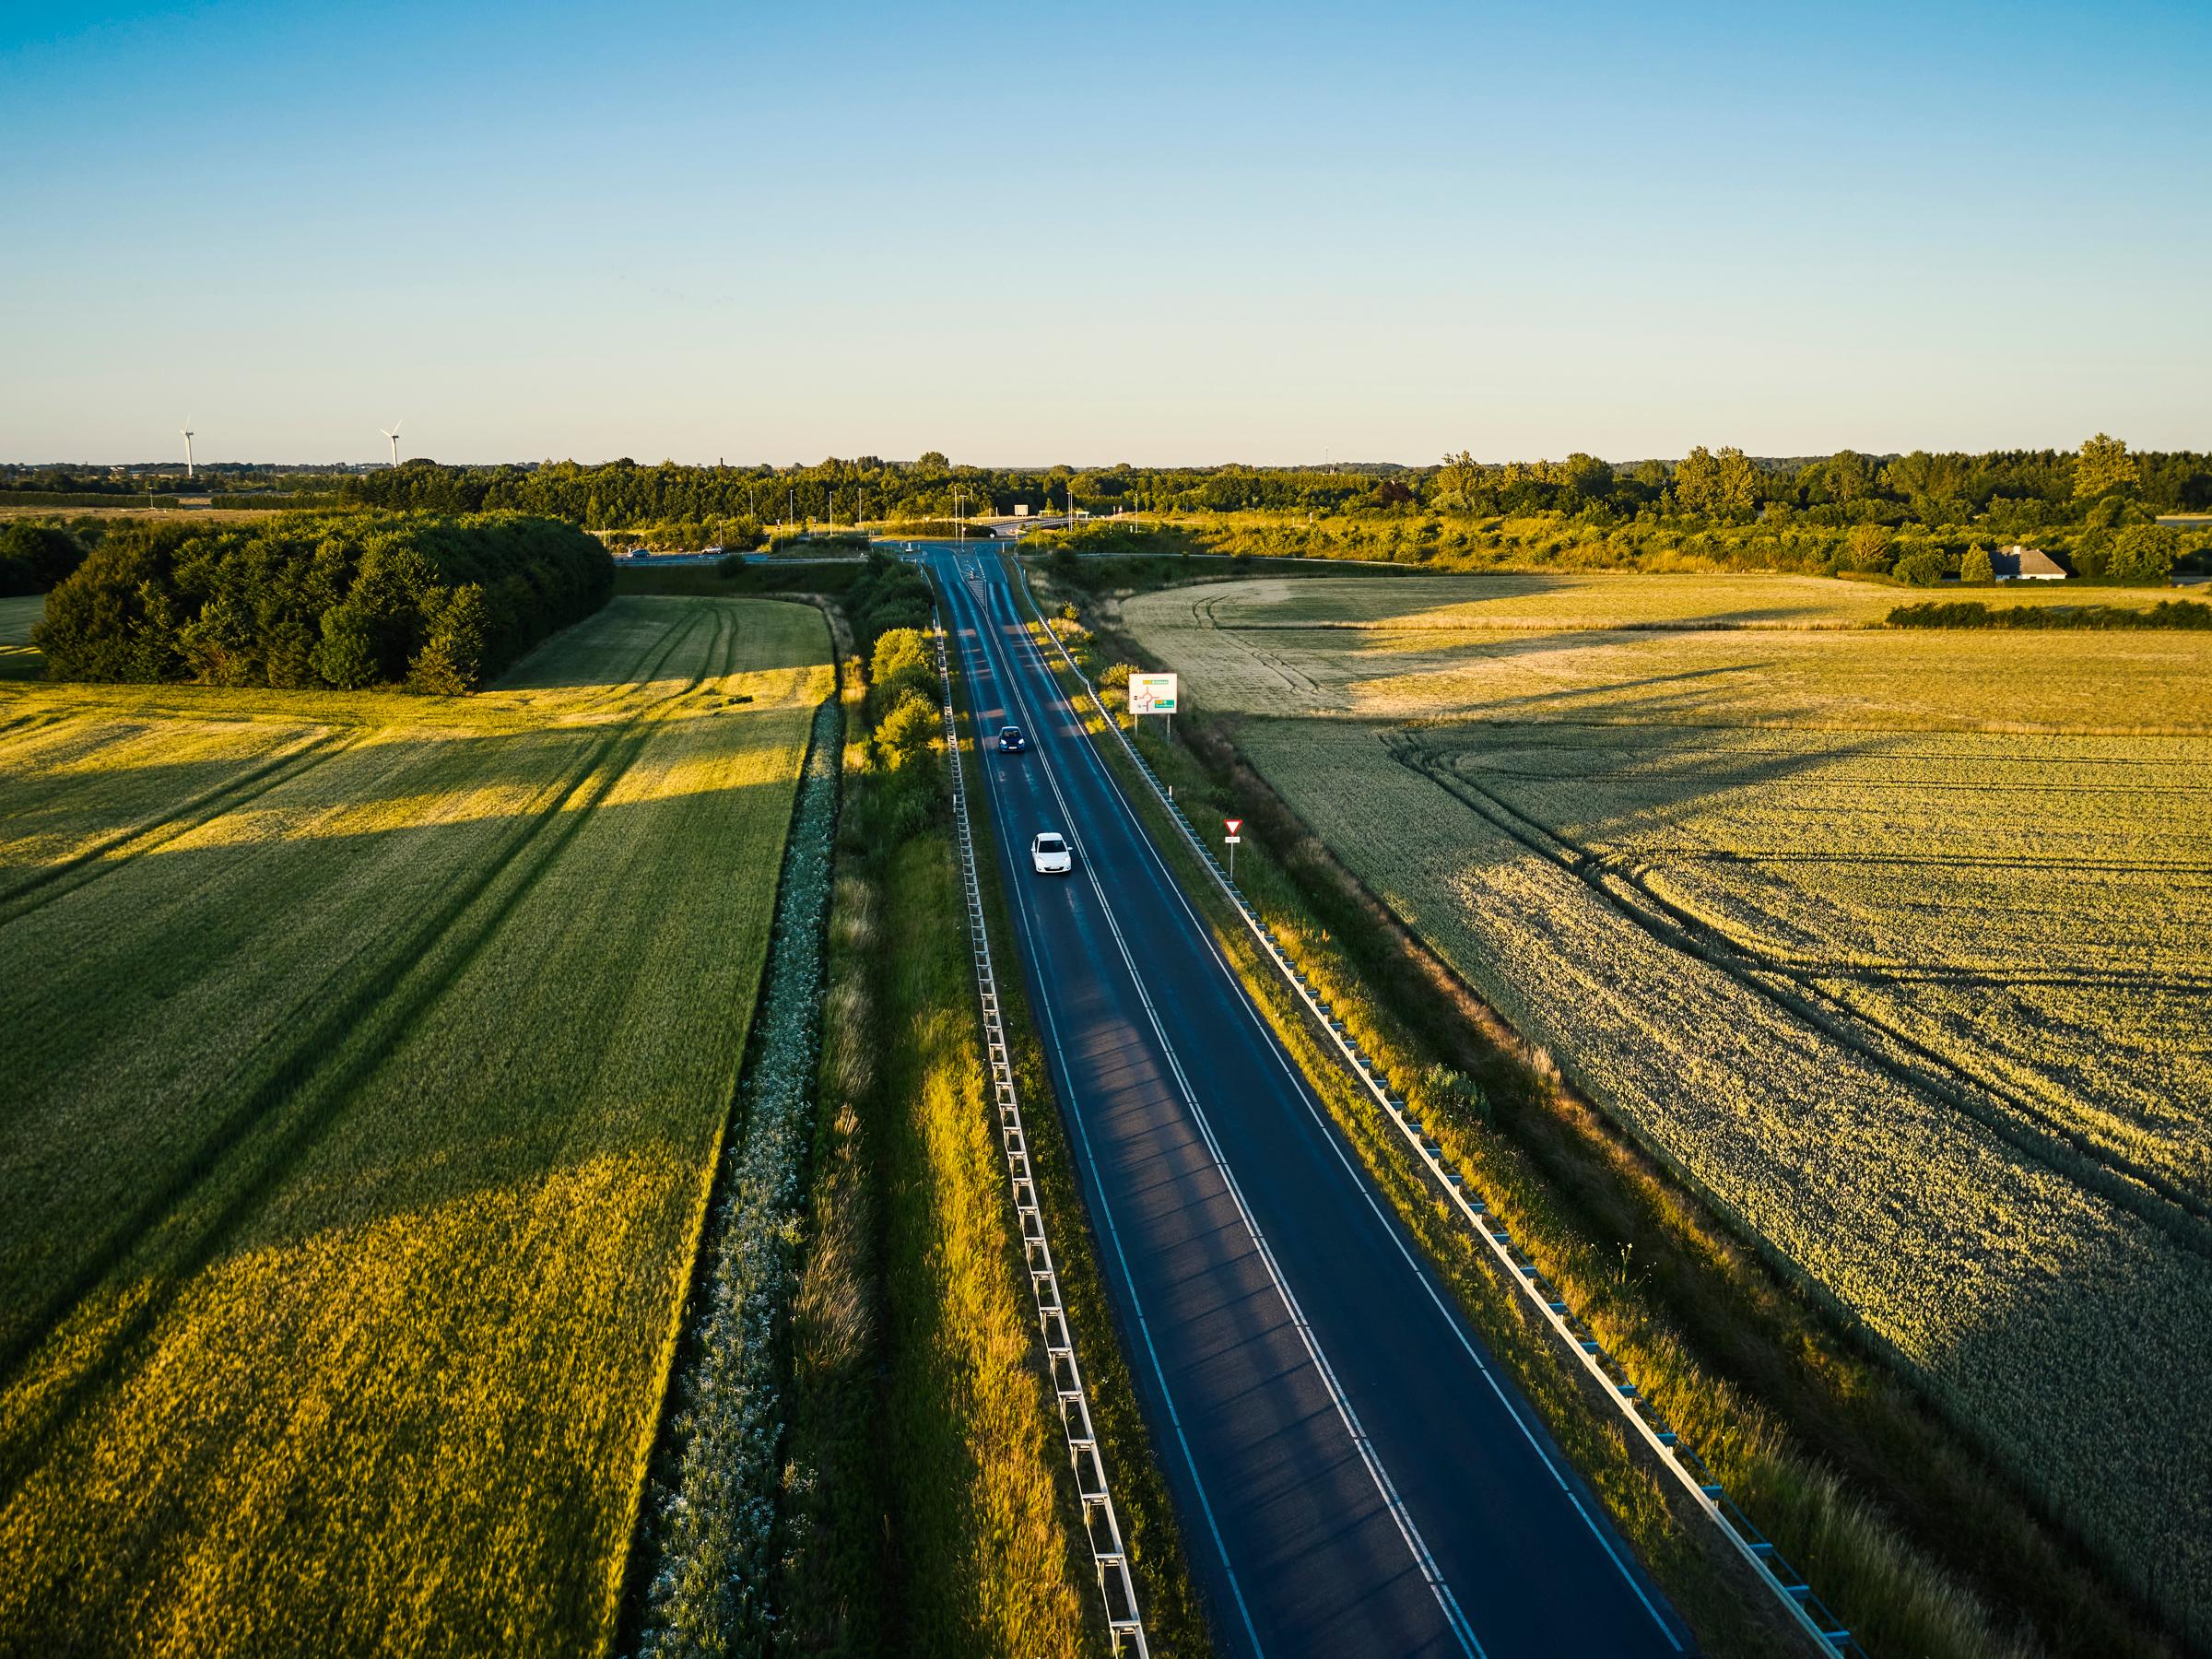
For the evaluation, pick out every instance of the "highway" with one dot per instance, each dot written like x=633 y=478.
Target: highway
x=1351 y=1471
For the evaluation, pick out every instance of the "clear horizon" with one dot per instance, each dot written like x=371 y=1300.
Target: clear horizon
x=1175 y=238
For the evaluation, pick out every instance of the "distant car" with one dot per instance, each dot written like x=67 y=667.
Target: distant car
x=1052 y=855
x=1011 y=741
x=634 y=553
x=717 y=547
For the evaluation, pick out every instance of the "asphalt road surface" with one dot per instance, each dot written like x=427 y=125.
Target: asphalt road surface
x=1352 y=1473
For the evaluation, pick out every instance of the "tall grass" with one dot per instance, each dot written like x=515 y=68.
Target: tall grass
x=833 y=1590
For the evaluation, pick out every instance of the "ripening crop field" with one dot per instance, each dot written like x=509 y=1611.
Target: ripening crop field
x=367 y=1061
x=1795 y=651
x=1892 y=943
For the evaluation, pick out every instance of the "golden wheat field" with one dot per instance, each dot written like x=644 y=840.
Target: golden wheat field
x=367 y=1058
x=1892 y=943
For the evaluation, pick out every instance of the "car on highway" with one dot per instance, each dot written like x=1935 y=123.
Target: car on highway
x=1051 y=854
x=1011 y=741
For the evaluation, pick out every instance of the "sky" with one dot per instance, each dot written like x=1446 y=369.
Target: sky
x=1166 y=234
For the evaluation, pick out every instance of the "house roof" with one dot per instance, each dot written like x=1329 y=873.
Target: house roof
x=2017 y=560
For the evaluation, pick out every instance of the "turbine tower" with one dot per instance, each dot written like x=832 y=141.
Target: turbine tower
x=187 y=431
x=393 y=436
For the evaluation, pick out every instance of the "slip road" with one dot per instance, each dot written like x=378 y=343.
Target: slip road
x=1352 y=1474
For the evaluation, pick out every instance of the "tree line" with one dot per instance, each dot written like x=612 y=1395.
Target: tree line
x=345 y=600
x=36 y=557
x=2026 y=489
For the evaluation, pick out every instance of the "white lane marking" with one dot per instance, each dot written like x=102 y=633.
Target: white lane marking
x=1021 y=902
x=1410 y=1534
x=1314 y=1111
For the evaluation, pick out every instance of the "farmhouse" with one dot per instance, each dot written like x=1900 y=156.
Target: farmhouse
x=2018 y=563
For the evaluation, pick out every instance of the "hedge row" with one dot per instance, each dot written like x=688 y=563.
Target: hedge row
x=346 y=600
x=2166 y=613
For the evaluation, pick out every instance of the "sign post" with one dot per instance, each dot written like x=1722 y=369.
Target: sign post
x=1153 y=694
x=1230 y=841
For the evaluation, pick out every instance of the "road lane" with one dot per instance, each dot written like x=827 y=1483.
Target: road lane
x=1352 y=1474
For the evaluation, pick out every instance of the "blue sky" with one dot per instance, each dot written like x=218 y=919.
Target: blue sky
x=1028 y=234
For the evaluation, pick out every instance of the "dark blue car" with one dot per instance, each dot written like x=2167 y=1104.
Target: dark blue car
x=1011 y=741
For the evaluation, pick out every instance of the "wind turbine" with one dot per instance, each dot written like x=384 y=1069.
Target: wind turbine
x=394 y=435
x=187 y=431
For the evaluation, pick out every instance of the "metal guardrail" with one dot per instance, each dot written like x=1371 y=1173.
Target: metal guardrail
x=1783 y=1580
x=1124 y=1624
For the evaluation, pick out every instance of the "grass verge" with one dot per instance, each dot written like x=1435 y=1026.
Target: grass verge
x=1175 y=1621
x=928 y=1505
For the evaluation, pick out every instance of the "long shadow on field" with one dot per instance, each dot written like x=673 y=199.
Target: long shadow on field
x=576 y=661
x=239 y=1048
x=2059 y=1320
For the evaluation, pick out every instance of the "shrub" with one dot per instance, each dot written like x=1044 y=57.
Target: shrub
x=890 y=593
x=903 y=659
x=1869 y=547
x=1920 y=568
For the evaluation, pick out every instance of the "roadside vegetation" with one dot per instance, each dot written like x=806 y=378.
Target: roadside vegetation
x=969 y=1551
x=928 y=1506
x=1910 y=1531
x=708 y=1533
x=361 y=1130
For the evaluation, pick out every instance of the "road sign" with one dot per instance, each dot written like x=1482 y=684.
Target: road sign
x=1234 y=824
x=1151 y=694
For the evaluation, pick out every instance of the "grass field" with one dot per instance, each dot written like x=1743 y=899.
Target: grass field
x=18 y=659
x=368 y=1058
x=1918 y=999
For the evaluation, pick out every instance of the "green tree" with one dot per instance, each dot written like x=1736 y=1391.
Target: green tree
x=451 y=663
x=1922 y=566
x=1849 y=476
x=44 y=556
x=2102 y=468
x=1870 y=548
x=1977 y=567
x=346 y=657
x=1586 y=477
x=1736 y=484
x=903 y=735
x=2144 y=553
x=1697 y=481
x=1460 y=477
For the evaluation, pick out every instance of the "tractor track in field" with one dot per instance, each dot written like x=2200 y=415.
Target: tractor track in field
x=2099 y=1171
x=336 y=1051
x=116 y=851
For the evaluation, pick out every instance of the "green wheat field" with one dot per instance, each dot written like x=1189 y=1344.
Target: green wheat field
x=368 y=1057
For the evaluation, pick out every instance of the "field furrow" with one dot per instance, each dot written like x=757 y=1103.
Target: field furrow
x=1890 y=943
x=493 y=1050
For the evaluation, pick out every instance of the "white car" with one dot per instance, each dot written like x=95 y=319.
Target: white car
x=1052 y=854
